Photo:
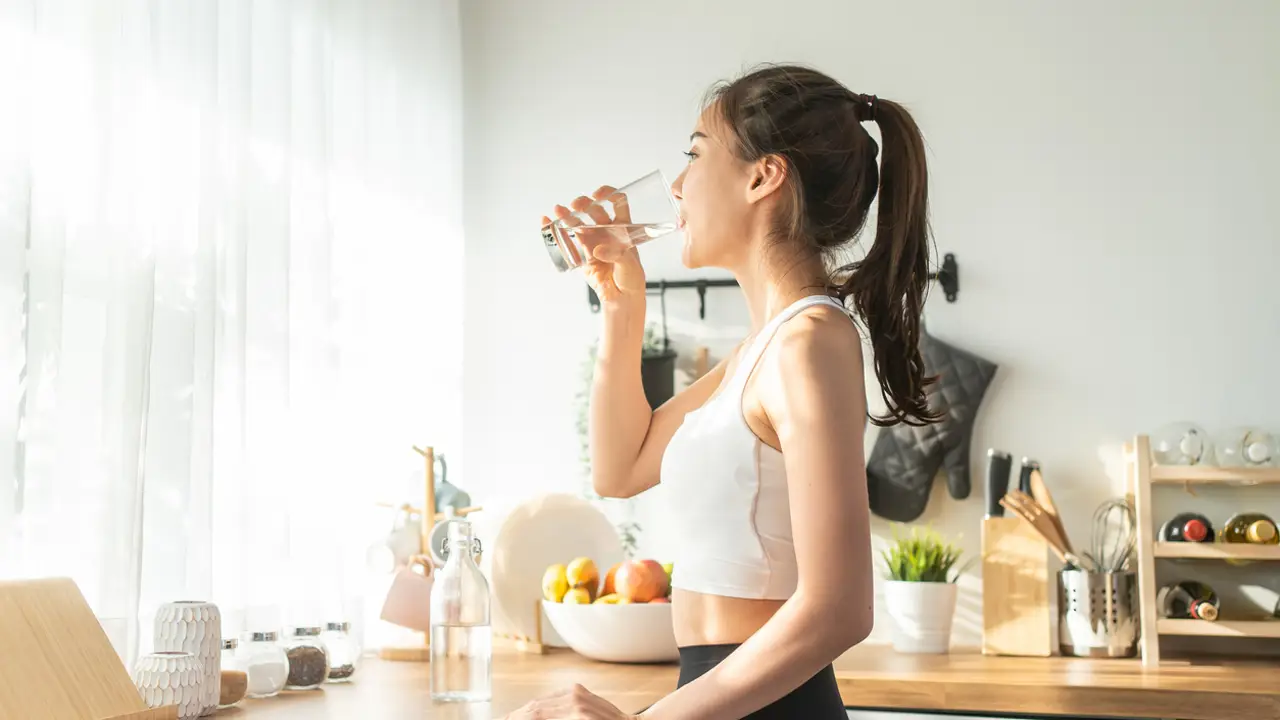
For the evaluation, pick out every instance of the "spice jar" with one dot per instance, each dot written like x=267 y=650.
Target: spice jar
x=265 y=663
x=234 y=681
x=308 y=659
x=344 y=651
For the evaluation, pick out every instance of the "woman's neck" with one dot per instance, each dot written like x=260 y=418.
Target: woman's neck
x=773 y=281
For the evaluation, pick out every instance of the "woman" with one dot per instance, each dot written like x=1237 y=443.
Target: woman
x=774 y=579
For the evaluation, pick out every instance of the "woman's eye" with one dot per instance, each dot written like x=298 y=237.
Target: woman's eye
x=691 y=155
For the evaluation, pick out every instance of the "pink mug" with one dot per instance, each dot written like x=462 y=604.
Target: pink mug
x=408 y=602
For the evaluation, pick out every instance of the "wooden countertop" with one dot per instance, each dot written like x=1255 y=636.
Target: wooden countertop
x=872 y=677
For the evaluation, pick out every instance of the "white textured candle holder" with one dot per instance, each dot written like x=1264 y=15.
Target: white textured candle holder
x=171 y=678
x=194 y=627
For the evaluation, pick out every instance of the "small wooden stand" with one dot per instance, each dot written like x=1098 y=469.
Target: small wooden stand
x=428 y=515
x=1017 y=615
x=523 y=643
x=57 y=662
x=422 y=652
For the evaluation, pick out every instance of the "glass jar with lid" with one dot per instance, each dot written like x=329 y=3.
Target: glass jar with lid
x=265 y=664
x=344 y=651
x=234 y=681
x=308 y=659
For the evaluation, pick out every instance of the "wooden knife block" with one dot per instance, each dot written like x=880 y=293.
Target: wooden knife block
x=1018 y=617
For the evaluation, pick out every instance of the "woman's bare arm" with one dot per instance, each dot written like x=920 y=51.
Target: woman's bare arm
x=627 y=438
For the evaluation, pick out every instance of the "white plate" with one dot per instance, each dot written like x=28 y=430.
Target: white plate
x=519 y=546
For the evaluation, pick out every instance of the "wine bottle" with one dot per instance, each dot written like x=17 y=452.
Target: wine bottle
x=1187 y=527
x=1188 y=600
x=1250 y=528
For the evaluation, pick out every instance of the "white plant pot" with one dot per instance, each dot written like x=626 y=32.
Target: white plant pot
x=171 y=678
x=194 y=627
x=922 y=614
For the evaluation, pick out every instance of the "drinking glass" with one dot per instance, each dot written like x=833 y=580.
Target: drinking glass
x=636 y=213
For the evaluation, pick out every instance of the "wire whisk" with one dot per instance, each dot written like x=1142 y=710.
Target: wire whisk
x=1114 y=536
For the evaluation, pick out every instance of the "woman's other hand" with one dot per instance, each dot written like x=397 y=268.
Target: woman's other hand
x=575 y=703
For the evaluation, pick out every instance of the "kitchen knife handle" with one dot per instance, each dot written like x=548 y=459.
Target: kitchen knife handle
x=999 y=466
x=1029 y=466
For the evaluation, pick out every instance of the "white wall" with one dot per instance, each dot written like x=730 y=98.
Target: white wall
x=1103 y=173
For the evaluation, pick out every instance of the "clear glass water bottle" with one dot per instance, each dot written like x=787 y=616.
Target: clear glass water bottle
x=461 y=638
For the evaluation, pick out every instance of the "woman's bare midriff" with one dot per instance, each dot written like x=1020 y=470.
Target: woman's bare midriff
x=702 y=619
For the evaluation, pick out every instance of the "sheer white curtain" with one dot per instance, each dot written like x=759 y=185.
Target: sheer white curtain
x=230 y=267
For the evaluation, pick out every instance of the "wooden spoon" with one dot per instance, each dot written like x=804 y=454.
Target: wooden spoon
x=1022 y=505
x=1040 y=492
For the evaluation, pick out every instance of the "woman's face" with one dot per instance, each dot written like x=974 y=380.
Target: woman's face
x=713 y=196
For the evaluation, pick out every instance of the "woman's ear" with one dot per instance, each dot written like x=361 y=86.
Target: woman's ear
x=767 y=175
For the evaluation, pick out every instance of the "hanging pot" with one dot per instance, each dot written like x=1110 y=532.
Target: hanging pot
x=658 y=374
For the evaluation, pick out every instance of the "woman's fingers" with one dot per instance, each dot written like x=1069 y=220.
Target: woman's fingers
x=621 y=209
x=594 y=210
x=568 y=248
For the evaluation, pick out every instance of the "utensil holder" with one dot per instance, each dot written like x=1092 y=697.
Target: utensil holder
x=1098 y=613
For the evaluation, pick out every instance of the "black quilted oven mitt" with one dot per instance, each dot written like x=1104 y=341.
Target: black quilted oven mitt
x=905 y=459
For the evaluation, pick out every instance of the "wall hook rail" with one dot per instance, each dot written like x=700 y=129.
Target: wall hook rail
x=947 y=276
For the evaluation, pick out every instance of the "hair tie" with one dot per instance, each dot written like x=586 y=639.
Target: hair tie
x=870 y=102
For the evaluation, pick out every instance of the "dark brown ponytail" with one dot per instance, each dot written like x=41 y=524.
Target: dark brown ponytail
x=888 y=285
x=815 y=124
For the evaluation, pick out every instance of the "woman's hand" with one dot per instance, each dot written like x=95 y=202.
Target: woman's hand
x=612 y=266
x=576 y=703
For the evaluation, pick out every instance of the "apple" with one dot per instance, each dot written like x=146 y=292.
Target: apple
x=661 y=600
x=636 y=581
x=660 y=573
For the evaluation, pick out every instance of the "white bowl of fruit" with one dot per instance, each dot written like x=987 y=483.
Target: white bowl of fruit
x=624 y=616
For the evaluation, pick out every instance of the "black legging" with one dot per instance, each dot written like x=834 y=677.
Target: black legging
x=817 y=699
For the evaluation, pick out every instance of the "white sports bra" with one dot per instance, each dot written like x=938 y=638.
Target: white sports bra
x=728 y=492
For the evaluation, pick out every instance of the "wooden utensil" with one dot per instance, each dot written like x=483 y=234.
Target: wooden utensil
x=1040 y=492
x=1025 y=507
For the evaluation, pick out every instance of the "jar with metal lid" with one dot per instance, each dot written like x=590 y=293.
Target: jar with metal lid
x=308 y=659
x=344 y=651
x=234 y=681
x=265 y=664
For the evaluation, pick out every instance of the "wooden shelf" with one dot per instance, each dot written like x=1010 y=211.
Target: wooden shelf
x=1141 y=479
x=1220 y=628
x=1206 y=475
x=1216 y=551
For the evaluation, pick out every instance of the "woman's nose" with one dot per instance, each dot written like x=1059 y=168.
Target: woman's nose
x=677 y=186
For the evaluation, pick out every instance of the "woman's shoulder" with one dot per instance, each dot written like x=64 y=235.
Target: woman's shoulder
x=820 y=346
x=818 y=332
x=815 y=370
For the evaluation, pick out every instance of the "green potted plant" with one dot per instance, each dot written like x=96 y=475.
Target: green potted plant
x=921 y=590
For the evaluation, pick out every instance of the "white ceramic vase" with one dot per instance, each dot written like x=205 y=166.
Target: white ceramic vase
x=922 y=614
x=171 y=678
x=194 y=627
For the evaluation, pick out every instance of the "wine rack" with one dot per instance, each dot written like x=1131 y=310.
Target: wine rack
x=1143 y=478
